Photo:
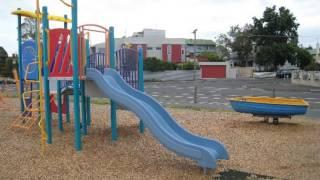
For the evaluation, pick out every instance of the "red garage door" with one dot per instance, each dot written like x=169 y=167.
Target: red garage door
x=213 y=71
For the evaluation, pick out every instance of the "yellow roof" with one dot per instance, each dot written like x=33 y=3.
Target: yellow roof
x=271 y=100
x=33 y=15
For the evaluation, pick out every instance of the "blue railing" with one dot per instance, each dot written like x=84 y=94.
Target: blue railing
x=97 y=61
x=127 y=65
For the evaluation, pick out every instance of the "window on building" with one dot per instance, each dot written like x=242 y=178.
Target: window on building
x=182 y=51
x=169 y=49
x=149 y=48
x=158 y=48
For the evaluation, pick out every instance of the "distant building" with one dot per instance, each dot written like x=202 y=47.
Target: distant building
x=316 y=53
x=155 y=44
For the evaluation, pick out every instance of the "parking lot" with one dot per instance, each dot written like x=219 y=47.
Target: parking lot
x=215 y=93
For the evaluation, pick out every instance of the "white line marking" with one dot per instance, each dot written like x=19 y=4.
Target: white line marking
x=216 y=98
x=190 y=97
x=178 y=96
x=310 y=98
x=166 y=96
x=233 y=95
x=155 y=95
x=203 y=97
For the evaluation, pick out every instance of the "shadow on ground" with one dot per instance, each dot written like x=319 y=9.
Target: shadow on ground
x=239 y=175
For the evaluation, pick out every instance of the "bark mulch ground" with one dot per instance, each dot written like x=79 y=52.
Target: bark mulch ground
x=289 y=150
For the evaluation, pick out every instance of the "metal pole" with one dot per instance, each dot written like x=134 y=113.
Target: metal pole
x=140 y=81
x=114 y=133
x=48 y=119
x=20 y=63
x=74 y=44
x=195 y=87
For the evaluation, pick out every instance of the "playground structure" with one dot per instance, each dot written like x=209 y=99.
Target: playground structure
x=62 y=64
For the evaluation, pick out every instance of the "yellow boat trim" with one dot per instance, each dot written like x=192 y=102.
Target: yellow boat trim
x=34 y=15
x=271 y=100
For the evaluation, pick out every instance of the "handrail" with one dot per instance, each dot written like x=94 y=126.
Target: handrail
x=65 y=3
x=27 y=71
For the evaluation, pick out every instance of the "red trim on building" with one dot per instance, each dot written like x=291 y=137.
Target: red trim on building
x=213 y=71
x=176 y=53
x=144 y=49
x=164 y=53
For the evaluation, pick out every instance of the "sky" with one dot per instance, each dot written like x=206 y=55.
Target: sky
x=178 y=17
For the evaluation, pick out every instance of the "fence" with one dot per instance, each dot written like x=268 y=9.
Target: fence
x=308 y=78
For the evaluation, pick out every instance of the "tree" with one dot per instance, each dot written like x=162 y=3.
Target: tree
x=3 y=57
x=28 y=28
x=241 y=42
x=223 y=46
x=304 y=58
x=276 y=36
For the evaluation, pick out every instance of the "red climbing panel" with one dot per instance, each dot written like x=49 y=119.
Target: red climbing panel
x=60 y=63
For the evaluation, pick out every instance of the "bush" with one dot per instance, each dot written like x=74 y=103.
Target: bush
x=153 y=64
x=212 y=56
x=312 y=67
x=187 y=66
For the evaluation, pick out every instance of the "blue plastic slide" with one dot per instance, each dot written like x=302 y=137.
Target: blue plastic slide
x=159 y=122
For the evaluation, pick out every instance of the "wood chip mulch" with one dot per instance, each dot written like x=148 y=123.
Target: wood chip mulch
x=290 y=150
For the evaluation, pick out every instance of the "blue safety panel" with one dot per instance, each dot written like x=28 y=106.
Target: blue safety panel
x=29 y=55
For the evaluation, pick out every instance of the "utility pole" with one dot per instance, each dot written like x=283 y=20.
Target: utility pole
x=195 y=87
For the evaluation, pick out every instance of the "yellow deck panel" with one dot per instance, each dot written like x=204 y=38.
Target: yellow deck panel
x=33 y=15
x=271 y=100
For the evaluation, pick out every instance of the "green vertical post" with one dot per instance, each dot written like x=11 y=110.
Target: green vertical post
x=74 y=43
x=140 y=81
x=20 y=63
x=88 y=101
x=113 y=109
x=45 y=27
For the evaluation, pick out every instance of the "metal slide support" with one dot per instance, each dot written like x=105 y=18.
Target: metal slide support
x=74 y=47
x=48 y=118
x=114 y=133
x=140 y=81
x=20 y=63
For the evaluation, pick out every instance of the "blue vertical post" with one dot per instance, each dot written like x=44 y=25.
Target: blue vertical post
x=20 y=63
x=60 y=123
x=67 y=96
x=67 y=109
x=114 y=133
x=88 y=101
x=45 y=26
x=140 y=81
x=83 y=108
x=74 y=43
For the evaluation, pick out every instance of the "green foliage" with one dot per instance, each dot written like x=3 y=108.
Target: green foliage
x=212 y=56
x=241 y=43
x=223 y=46
x=153 y=64
x=312 y=67
x=304 y=58
x=276 y=36
x=188 y=66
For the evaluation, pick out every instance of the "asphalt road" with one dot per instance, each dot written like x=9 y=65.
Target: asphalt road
x=215 y=93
